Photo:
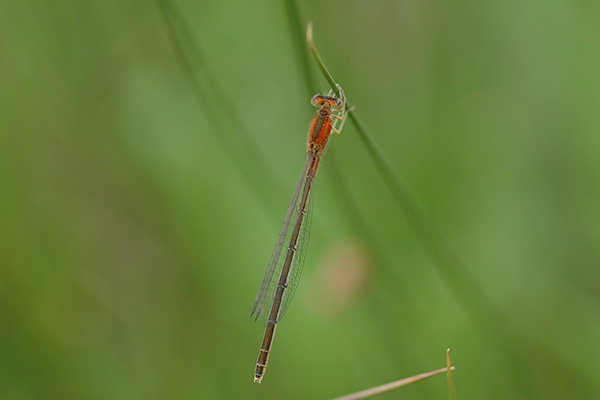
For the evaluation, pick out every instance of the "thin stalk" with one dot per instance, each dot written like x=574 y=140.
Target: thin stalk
x=320 y=63
x=364 y=394
x=449 y=368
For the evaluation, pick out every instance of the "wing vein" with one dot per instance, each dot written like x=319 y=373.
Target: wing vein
x=261 y=296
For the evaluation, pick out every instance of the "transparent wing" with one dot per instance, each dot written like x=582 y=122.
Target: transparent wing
x=275 y=262
x=298 y=261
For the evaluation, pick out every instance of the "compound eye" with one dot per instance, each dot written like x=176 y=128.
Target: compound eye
x=317 y=100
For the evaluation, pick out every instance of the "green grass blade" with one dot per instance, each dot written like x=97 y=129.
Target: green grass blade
x=449 y=368
x=220 y=110
x=453 y=270
x=320 y=63
x=299 y=44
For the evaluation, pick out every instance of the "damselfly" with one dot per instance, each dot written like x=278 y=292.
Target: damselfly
x=283 y=271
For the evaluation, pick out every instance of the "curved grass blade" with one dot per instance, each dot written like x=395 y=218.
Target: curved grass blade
x=299 y=45
x=220 y=111
x=454 y=271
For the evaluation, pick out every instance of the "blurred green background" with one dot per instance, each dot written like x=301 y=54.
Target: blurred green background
x=139 y=203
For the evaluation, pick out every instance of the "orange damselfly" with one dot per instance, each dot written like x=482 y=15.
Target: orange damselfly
x=274 y=295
